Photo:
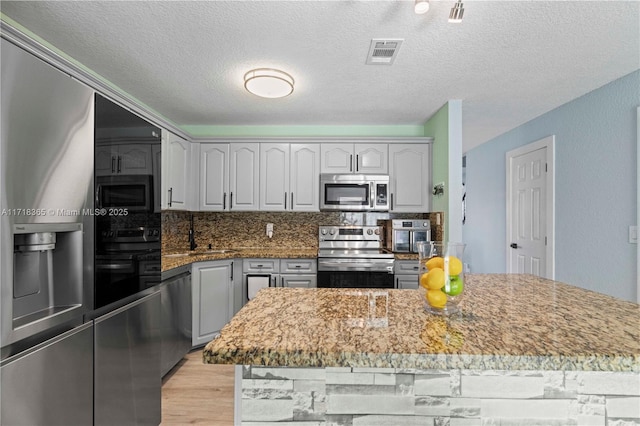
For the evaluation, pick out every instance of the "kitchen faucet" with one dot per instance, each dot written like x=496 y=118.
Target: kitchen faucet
x=192 y=240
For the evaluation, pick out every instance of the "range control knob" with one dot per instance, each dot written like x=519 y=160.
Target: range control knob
x=369 y=231
x=323 y=231
x=332 y=231
x=377 y=231
x=425 y=224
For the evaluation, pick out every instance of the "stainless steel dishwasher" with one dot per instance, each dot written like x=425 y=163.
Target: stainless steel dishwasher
x=175 y=293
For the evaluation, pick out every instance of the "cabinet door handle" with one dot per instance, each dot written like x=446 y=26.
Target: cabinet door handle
x=119 y=164
x=285 y=200
x=357 y=162
x=231 y=270
x=224 y=201
x=170 y=196
x=513 y=245
x=351 y=163
x=292 y=201
x=230 y=200
x=391 y=206
x=113 y=164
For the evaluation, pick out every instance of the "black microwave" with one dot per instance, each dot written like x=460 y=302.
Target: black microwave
x=131 y=192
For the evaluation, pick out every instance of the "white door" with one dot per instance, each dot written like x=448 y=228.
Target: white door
x=529 y=214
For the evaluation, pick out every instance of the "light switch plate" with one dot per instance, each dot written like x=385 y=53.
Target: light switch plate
x=633 y=234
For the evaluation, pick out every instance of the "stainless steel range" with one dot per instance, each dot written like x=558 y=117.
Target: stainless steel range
x=353 y=257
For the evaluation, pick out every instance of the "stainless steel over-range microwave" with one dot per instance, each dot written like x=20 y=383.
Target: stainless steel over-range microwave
x=354 y=192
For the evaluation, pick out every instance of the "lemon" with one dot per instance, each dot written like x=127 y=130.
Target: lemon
x=435 y=279
x=436 y=298
x=455 y=265
x=423 y=281
x=435 y=262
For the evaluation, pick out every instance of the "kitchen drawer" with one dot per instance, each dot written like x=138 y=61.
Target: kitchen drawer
x=261 y=265
x=406 y=267
x=406 y=281
x=298 y=266
x=299 y=281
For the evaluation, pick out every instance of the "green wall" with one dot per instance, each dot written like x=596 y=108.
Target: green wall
x=438 y=127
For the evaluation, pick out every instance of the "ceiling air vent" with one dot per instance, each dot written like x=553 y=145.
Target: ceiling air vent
x=383 y=51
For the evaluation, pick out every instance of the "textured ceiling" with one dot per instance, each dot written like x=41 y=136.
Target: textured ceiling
x=509 y=61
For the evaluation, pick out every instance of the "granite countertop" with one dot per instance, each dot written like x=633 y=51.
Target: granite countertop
x=174 y=259
x=508 y=322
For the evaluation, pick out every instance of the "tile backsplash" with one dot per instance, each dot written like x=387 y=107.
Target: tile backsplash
x=248 y=229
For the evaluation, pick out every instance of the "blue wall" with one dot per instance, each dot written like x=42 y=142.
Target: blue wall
x=595 y=190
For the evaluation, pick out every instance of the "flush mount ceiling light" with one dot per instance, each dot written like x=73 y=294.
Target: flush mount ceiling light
x=421 y=6
x=456 y=13
x=268 y=83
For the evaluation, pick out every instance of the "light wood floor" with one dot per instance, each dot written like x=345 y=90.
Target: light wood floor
x=194 y=393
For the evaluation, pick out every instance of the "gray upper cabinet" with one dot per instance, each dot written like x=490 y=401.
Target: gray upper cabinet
x=289 y=177
x=274 y=176
x=354 y=158
x=214 y=177
x=125 y=159
x=243 y=184
x=305 y=177
x=410 y=177
x=176 y=184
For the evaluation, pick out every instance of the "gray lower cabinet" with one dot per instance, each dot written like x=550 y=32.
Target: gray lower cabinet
x=50 y=384
x=406 y=274
x=298 y=273
x=127 y=364
x=212 y=292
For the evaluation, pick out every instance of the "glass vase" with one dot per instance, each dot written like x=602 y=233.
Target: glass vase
x=441 y=276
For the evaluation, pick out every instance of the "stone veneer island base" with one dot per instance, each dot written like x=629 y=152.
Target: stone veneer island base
x=524 y=351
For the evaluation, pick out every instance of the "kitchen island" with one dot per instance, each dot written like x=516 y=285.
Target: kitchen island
x=524 y=351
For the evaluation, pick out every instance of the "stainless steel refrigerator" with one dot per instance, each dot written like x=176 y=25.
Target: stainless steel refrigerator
x=46 y=243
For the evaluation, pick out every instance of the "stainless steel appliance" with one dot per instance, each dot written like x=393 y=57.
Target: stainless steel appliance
x=353 y=256
x=354 y=192
x=130 y=193
x=403 y=236
x=175 y=297
x=127 y=262
x=127 y=367
x=46 y=242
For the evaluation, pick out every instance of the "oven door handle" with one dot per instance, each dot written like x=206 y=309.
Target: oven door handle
x=350 y=265
x=115 y=267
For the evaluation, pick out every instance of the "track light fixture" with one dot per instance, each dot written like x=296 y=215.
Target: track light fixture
x=456 y=13
x=421 y=6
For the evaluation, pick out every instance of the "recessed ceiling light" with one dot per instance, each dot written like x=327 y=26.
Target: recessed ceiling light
x=268 y=83
x=421 y=6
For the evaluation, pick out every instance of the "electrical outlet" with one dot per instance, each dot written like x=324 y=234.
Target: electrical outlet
x=269 y=230
x=633 y=234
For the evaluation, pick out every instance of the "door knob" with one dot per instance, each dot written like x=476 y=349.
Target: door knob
x=514 y=245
